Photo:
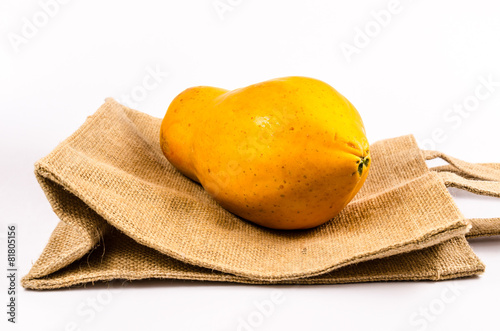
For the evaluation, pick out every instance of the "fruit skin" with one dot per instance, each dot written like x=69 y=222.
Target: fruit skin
x=287 y=153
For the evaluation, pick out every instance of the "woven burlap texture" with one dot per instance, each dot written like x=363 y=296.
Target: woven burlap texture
x=126 y=213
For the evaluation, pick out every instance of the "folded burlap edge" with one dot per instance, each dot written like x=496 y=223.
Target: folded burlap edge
x=470 y=266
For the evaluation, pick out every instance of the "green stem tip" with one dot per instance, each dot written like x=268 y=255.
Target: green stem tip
x=365 y=161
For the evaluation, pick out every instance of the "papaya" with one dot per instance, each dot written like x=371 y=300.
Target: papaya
x=287 y=153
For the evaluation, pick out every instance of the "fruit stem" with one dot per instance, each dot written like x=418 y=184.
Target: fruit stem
x=365 y=161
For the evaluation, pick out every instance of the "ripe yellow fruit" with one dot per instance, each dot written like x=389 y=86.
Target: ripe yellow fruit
x=287 y=153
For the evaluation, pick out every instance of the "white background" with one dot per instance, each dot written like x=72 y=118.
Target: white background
x=404 y=78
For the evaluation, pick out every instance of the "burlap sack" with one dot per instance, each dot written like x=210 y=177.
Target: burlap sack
x=126 y=213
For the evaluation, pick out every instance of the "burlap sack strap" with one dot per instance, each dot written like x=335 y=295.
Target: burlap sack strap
x=480 y=187
x=483 y=227
x=480 y=178
x=475 y=170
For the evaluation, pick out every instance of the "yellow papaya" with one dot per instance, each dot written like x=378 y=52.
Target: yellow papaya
x=287 y=153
